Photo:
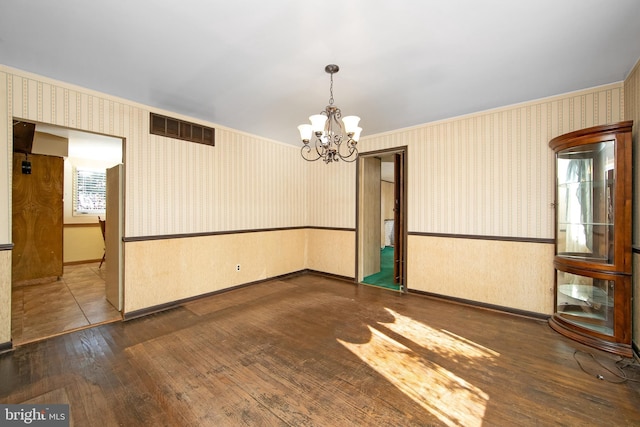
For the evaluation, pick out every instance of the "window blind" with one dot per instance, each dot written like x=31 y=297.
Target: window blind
x=89 y=192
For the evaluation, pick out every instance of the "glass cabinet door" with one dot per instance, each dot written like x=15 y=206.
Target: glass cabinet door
x=586 y=302
x=586 y=184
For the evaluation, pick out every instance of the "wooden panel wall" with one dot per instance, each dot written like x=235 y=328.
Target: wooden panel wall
x=37 y=218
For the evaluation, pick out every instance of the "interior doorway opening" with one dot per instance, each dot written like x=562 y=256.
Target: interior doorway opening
x=58 y=284
x=381 y=219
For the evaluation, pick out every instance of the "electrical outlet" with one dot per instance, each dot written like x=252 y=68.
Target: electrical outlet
x=238 y=267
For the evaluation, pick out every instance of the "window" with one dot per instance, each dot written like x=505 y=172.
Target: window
x=89 y=192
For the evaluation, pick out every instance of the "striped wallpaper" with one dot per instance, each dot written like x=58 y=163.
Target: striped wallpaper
x=484 y=174
x=632 y=112
x=331 y=194
x=172 y=186
x=241 y=183
x=491 y=173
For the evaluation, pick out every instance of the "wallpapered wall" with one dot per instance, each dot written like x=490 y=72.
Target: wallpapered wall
x=485 y=174
x=172 y=186
x=491 y=173
x=331 y=194
x=242 y=183
x=632 y=112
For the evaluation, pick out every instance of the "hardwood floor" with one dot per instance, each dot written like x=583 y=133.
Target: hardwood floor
x=75 y=301
x=309 y=350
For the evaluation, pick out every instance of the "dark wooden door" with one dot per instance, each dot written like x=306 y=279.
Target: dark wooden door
x=37 y=218
x=399 y=220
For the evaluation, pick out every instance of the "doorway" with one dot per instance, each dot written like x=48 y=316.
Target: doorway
x=381 y=219
x=73 y=295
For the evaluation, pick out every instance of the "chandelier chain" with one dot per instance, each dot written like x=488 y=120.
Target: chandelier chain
x=331 y=91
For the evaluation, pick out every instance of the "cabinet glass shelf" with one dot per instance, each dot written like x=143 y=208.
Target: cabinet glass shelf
x=585 y=210
x=586 y=301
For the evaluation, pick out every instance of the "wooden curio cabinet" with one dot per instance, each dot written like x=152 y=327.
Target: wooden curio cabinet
x=593 y=255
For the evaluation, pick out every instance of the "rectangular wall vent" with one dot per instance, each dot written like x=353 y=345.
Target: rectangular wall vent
x=179 y=129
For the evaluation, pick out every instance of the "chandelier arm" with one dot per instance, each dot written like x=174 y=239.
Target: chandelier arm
x=307 y=149
x=320 y=148
x=352 y=151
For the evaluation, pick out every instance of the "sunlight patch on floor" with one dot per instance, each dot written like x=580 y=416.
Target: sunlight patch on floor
x=448 y=397
x=442 y=342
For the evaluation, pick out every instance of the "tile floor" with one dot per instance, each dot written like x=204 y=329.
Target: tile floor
x=76 y=301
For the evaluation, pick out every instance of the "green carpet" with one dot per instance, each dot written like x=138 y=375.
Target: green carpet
x=384 y=278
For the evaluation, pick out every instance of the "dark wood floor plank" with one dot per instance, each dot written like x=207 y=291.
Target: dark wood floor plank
x=238 y=296
x=179 y=369
x=310 y=350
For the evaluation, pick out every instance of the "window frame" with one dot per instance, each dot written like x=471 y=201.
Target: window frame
x=99 y=189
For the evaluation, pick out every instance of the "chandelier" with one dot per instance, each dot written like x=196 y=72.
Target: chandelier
x=328 y=137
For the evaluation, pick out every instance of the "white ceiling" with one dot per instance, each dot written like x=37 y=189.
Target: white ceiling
x=258 y=66
x=85 y=145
